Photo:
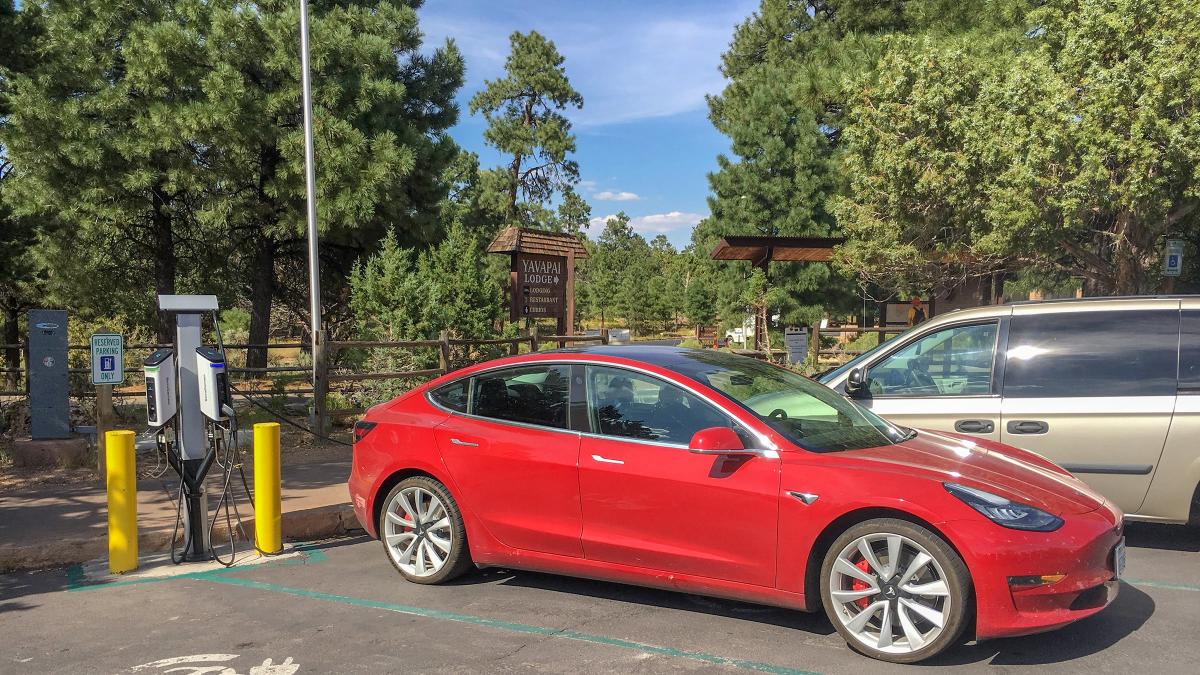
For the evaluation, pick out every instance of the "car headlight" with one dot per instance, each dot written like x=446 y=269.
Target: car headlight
x=1004 y=511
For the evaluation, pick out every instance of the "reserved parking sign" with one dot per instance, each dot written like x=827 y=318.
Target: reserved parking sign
x=108 y=358
x=1173 y=258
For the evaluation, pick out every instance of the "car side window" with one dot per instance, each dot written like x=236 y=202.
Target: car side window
x=954 y=361
x=1189 y=351
x=631 y=405
x=453 y=396
x=1098 y=353
x=530 y=395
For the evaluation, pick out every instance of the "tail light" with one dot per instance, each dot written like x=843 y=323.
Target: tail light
x=361 y=429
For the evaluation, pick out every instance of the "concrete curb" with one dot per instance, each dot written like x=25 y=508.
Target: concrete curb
x=316 y=523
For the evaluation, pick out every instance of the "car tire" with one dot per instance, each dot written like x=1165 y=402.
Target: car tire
x=422 y=531
x=928 y=586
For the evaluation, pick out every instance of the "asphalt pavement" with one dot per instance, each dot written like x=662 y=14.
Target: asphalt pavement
x=338 y=606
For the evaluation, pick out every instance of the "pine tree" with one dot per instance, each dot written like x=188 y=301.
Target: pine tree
x=1073 y=148
x=168 y=135
x=381 y=109
x=523 y=110
x=789 y=67
x=100 y=152
x=20 y=270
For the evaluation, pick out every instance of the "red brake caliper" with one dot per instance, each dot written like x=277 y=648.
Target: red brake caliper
x=859 y=585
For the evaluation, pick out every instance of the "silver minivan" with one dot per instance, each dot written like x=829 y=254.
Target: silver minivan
x=1107 y=388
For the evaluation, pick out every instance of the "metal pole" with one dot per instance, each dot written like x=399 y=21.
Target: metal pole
x=310 y=184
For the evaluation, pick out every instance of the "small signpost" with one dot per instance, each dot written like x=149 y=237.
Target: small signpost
x=108 y=359
x=108 y=368
x=1173 y=258
x=1172 y=262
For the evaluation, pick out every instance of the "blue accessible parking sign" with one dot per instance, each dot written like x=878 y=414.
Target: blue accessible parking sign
x=108 y=358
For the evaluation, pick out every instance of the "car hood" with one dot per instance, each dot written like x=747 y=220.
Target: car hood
x=1003 y=470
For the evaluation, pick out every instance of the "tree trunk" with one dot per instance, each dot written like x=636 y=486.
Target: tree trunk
x=510 y=211
x=165 y=262
x=1129 y=276
x=262 y=290
x=12 y=355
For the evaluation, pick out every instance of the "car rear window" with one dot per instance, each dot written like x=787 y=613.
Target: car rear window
x=452 y=396
x=530 y=395
x=1097 y=353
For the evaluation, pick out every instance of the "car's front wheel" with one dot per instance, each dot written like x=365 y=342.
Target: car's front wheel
x=895 y=591
x=423 y=533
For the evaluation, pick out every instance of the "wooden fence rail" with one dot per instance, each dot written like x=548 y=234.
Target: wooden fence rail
x=324 y=360
x=327 y=350
x=880 y=331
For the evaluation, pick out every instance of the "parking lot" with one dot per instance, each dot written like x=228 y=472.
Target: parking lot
x=339 y=607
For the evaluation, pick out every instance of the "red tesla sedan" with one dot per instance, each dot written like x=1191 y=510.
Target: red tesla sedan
x=710 y=473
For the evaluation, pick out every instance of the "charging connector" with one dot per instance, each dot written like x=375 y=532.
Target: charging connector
x=161 y=399
x=214 y=390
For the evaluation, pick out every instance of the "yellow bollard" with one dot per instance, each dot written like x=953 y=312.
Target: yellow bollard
x=122 y=502
x=268 y=534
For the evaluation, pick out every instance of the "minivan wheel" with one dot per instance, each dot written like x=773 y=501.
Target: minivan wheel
x=422 y=531
x=895 y=591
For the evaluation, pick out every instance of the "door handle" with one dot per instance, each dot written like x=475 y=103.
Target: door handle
x=468 y=444
x=605 y=460
x=1028 y=427
x=975 y=426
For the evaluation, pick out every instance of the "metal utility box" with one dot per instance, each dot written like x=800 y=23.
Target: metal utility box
x=49 y=387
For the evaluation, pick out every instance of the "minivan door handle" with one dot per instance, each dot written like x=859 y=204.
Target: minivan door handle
x=975 y=426
x=1028 y=427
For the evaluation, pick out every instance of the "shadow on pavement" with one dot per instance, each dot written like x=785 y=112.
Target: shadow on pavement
x=786 y=618
x=16 y=585
x=1163 y=537
x=1126 y=615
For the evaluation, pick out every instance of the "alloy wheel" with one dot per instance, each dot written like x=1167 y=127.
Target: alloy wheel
x=890 y=593
x=418 y=532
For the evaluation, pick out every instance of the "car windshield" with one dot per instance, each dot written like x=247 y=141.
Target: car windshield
x=809 y=414
x=826 y=378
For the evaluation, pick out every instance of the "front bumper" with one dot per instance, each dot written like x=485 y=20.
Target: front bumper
x=1081 y=550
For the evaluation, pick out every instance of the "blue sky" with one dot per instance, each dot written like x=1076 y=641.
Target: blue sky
x=645 y=145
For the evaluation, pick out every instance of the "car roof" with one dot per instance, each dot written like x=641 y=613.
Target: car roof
x=663 y=356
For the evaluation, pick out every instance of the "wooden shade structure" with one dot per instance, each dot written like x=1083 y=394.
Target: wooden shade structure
x=759 y=250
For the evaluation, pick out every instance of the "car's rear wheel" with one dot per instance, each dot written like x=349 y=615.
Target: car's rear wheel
x=895 y=591
x=422 y=531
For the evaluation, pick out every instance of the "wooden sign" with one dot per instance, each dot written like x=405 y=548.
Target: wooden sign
x=542 y=273
x=539 y=286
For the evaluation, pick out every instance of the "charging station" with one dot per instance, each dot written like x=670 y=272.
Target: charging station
x=189 y=404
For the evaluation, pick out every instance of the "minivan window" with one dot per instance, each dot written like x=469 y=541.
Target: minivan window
x=1189 y=351
x=955 y=361
x=530 y=395
x=1098 y=353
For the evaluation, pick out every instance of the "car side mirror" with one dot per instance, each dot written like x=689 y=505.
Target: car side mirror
x=856 y=382
x=718 y=441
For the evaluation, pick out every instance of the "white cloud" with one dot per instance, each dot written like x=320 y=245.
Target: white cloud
x=655 y=223
x=621 y=196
